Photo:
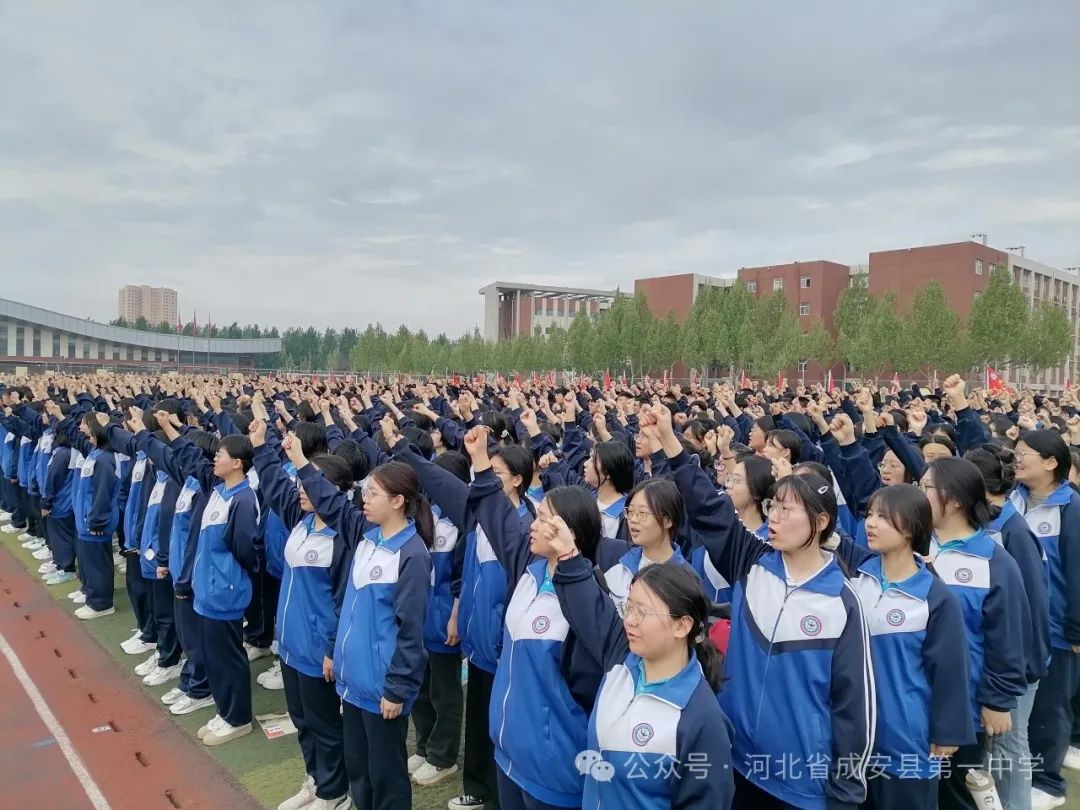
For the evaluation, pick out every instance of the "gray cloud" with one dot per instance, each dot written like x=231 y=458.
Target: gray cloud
x=336 y=164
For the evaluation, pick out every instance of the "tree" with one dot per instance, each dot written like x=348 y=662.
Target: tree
x=998 y=324
x=1050 y=337
x=773 y=336
x=730 y=328
x=580 y=340
x=698 y=344
x=930 y=334
x=817 y=344
x=854 y=312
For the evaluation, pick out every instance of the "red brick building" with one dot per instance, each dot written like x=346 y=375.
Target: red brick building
x=962 y=269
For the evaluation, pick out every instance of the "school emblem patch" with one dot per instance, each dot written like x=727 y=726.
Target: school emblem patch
x=541 y=624
x=214 y=515
x=810 y=625
x=440 y=542
x=964 y=575
x=895 y=617
x=376 y=572
x=1044 y=527
x=311 y=556
x=642 y=733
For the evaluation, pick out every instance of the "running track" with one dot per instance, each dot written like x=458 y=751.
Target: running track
x=76 y=731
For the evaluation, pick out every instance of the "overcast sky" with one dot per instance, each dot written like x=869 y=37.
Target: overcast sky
x=336 y=163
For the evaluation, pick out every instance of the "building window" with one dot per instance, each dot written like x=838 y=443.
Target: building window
x=802 y=366
x=86 y=350
x=804 y=309
x=549 y=307
x=20 y=341
x=71 y=346
x=37 y=341
x=777 y=284
x=130 y=352
x=115 y=352
x=101 y=351
x=804 y=282
x=978 y=267
x=538 y=309
x=55 y=344
x=751 y=286
x=144 y=357
x=3 y=339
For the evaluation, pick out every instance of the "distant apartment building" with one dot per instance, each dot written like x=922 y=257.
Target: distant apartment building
x=156 y=304
x=520 y=309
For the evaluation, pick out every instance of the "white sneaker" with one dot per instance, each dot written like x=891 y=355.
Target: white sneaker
x=87 y=612
x=271 y=679
x=344 y=803
x=416 y=762
x=135 y=645
x=4 y=516
x=204 y=730
x=47 y=568
x=60 y=578
x=1072 y=758
x=35 y=545
x=255 y=653
x=465 y=802
x=42 y=554
x=162 y=675
x=9 y=529
x=147 y=666
x=173 y=695
x=304 y=797
x=428 y=774
x=188 y=704
x=78 y=597
x=116 y=560
x=27 y=537
x=221 y=732
x=1041 y=800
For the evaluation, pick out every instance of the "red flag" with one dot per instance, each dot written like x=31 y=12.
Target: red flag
x=194 y=323
x=607 y=380
x=829 y=383
x=994 y=383
x=455 y=379
x=179 y=326
x=780 y=380
x=551 y=378
x=314 y=379
x=517 y=378
x=744 y=381
x=666 y=378
x=622 y=380
x=536 y=378
x=895 y=384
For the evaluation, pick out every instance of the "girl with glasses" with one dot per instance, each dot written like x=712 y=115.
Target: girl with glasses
x=800 y=684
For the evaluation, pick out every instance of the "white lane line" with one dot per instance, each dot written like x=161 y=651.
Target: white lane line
x=78 y=767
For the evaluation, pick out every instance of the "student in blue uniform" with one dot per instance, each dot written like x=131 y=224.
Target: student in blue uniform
x=654 y=515
x=1052 y=510
x=437 y=714
x=139 y=590
x=379 y=658
x=97 y=513
x=1011 y=752
x=315 y=568
x=800 y=685
x=916 y=627
x=221 y=579
x=987 y=582
x=657 y=737
x=57 y=504
x=536 y=723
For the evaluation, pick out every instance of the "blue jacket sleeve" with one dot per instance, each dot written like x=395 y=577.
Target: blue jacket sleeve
x=277 y=488
x=590 y=611
x=732 y=548
x=406 y=672
x=862 y=476
x=453 y=433
x=1069 y=550
x=334 y=437
x=575 y=450
x=55 y=476
x=854 y=708
x=224 y=424
x=1026 y=551
x=703 y=774
x=808 y=451
x=103 y=486
x=242 y=532
x=445 y=489
x=161 y=455
x=947 y=672
x=333 y=506
x=874 y=443
x=500 y=522
x=1005 y=614
x=192 y=462
x=970 y=432
x=745 y=424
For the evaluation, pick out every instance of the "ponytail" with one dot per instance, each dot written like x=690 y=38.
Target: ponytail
x=419 y=510
x=398 y=478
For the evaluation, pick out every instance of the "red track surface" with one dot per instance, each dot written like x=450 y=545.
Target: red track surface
x=144 y=762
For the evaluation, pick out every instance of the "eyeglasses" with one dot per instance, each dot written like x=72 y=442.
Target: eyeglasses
x=634 y=615
x=782 y=510
x=637 y=515
x=889 y=465
x=924 y=486
x=733 y=480
x=1028 y=453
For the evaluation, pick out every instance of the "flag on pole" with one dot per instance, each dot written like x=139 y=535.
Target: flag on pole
x=622 y=380
x=693 y=378
x=607 y=380
x=994 y=383
x=780 y=380
x=551 y=378
x=829 y=382
x=667 y=379
x=895 y=383
x=179 y=325
x=744 y=381
x=536 y=378
x=455 y=380
x=517 y=378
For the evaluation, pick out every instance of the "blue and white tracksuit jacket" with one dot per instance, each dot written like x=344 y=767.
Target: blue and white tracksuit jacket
x=441 y=604
x=97 y=492
x=379 y=652
x=987 y=581
x=916 y=628
x=620 y=576
x=1056 y=523
x=800 y=691
x=649 y=745
x=226 y=555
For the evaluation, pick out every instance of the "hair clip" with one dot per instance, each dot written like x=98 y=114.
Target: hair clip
x=822 y=490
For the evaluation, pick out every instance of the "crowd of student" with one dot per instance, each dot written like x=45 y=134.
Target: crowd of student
x=700 y=598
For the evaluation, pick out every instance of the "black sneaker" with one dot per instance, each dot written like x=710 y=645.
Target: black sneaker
x=464 y=802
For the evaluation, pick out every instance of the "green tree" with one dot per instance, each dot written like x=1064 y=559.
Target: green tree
x=930 y=334
x=732 y=326
x=817 y=344
x=773 y=336
x=854 y=313
x=998 y=325
x=1050 y=337
x=580 y=340
x=698 y=344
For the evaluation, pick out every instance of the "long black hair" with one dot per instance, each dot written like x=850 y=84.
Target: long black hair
x=997 y=465
x=907 y=510
x=664 y=500
x=519 y=461
x=1049 y=444
x=759 y=481
x=398 y=478
x=957 y=479
x=577 y=507
x=680 y=589
x=614 y=461
x=817 y=497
